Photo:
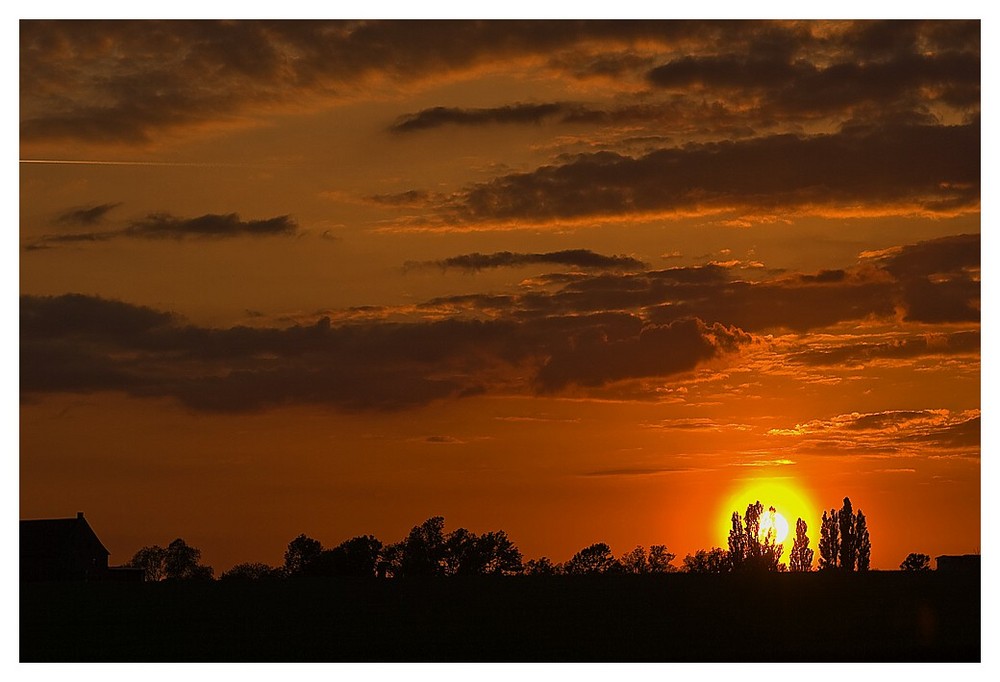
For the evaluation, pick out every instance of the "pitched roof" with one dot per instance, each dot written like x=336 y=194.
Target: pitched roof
x=43 y=534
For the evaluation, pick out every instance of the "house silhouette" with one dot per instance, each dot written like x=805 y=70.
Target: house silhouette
x=62 y=549
x=962 y=563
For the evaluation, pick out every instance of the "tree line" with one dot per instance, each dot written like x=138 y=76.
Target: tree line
x=844 y=545
x=429 y=551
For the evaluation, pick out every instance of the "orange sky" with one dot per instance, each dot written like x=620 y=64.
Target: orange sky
x=579 y=281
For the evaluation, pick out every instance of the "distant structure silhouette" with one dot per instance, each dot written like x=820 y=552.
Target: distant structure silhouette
x=962 y=563
x=66 y=549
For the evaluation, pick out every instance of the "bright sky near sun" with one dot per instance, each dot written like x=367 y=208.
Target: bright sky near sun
x=579 y=281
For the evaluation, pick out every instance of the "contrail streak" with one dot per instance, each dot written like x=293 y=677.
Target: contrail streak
x=96 y=162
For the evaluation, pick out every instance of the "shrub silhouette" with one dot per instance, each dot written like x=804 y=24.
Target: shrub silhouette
x=595 y=559
x=715 y=560
x=179 y=561
x=916 y=562
x=252 y=570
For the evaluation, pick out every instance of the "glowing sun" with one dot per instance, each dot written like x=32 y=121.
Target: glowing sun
x=789 y=497
x=773 y=521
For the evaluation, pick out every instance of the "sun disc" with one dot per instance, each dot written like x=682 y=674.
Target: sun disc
x=773 y=521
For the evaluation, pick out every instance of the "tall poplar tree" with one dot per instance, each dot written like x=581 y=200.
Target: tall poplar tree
x=864 y=542
x=801 y=557
x=829 y=541
x=844 y=542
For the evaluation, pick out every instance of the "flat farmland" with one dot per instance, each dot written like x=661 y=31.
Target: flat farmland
x=879 y=616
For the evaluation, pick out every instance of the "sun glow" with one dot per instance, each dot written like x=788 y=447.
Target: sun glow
x=773 y=521
x=789 y=498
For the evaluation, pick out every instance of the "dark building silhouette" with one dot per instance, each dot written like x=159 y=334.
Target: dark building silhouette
x=962 y=563
x=62 y=549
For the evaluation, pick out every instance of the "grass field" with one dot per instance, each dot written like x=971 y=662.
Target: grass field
x=879 y=616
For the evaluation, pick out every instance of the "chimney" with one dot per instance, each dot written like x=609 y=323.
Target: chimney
x=79 y=515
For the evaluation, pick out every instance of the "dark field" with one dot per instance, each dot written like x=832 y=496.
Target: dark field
x=879 y=616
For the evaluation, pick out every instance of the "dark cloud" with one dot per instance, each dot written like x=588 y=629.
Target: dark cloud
x=410 y=198
x=578 y=258
x=86 y=216
x=711 y=293
x=210 y=225
x=940 y=277
x=955 y=343
x=166 y=226
x=512 y=113
x=80 y=344
x=782 y=304
x=800 y=87
x=130 y=82
x=595 y=360
x=578 y=332
x=907 y=169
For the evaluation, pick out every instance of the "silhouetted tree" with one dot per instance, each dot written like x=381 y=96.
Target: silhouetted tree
x=659 y=559
x=596 y=558
x=916 y=562
x=301 y=552
x=461 y=555
x=639 y=561
x=737 y=540
x=829 y=541
x=542 y=566
x=424 y=550
x=180 y=562
x=844 y=541
x=390 y=561
x=150 y=560
x=864 y=544
x=848 y=540
x=252 y=570
x=747 y=550
x=801 y=557
x=715 y=560
x=501 y=556
x=356 y=558
x=635 y=562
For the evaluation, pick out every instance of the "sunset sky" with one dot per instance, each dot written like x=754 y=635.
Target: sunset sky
x=579 y=281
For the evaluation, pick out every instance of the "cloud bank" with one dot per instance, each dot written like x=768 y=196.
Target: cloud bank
x=575 y=333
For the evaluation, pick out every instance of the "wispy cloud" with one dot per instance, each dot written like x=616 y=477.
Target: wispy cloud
x=898 y=432
x=577 y=258
x=166 y=226
x=86 y=216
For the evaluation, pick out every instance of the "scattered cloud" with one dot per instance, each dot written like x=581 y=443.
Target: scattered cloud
x=923 y=169
x=966 y=342
x=578 y=258
x=86 y=216
x=892 y=432
x=641 y=471
x=512 y=113
x=787 y=301
x=166 y=226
